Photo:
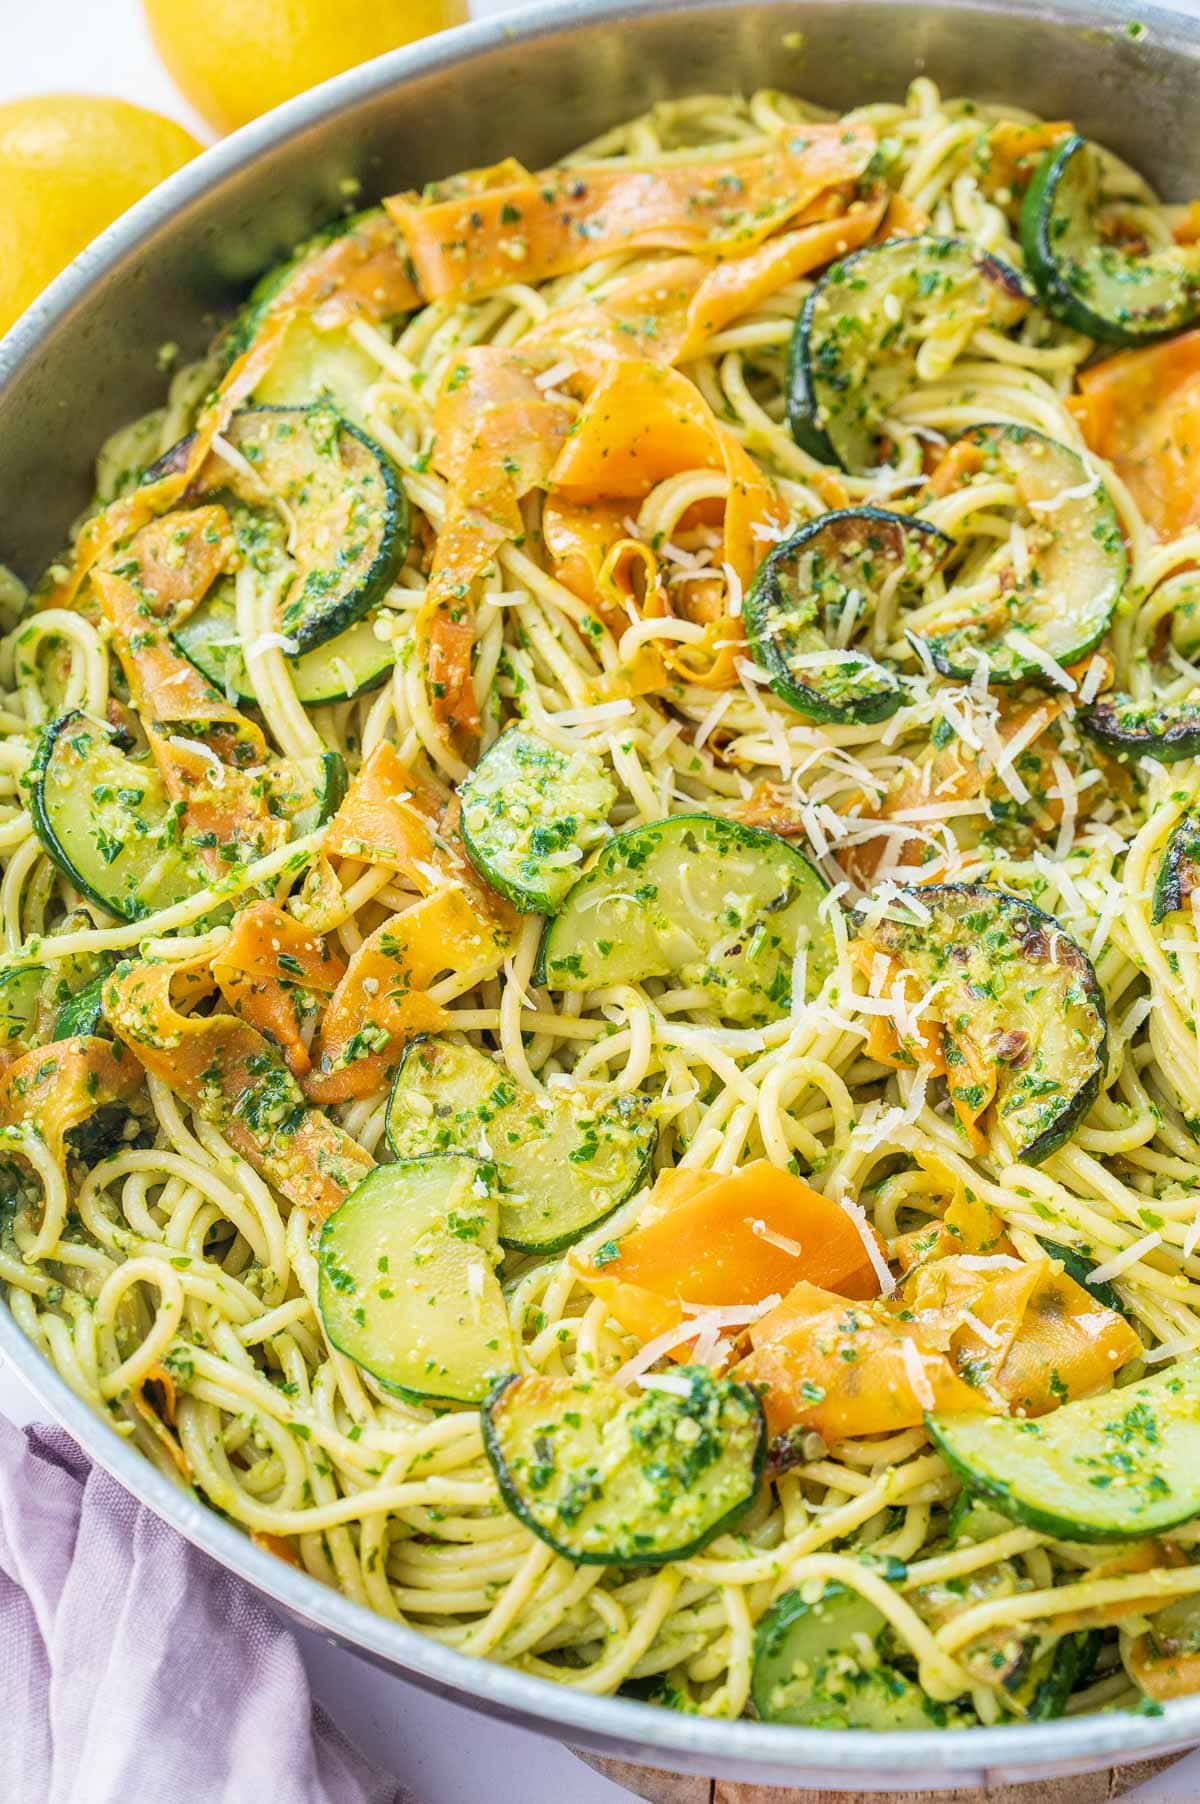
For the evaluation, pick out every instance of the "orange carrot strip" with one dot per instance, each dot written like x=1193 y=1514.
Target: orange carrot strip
x=388 y=816
x=231 y=1075
x=1068 y=1346
x=381 y=1002
x=165 y=686
x=497 y=439
x=847 y=1369
x=513 y=226
x=668 y=311
x=708 y=1239
x=56 y=1088
x=175 y=560
x=269 y=966
x=1140 y=410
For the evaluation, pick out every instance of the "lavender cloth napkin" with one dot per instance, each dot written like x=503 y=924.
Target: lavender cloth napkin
x=134 y=1669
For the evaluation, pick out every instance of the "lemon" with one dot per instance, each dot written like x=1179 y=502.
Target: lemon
x=235 y=59
x=69 y=164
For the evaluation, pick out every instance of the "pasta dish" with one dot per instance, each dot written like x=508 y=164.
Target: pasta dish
x=601 y=844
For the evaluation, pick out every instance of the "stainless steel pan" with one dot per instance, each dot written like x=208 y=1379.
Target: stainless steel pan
x=83 y=360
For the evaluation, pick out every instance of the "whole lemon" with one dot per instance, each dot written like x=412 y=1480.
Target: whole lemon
x=235 y=59
x=69 y=164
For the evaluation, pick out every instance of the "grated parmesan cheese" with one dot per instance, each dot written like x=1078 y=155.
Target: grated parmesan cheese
x=1037 y=654
x=761 y=1231
x=1120 y=1262
x=858 y=1216
x=914 y=1365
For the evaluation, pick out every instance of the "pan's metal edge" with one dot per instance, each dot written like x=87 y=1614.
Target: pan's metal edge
x=611 y=1725
x=640 y=1732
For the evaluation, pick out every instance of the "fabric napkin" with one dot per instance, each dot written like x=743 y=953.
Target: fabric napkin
x=134 y=1669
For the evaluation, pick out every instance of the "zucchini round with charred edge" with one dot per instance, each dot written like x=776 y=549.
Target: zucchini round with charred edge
x=530 y=812
x=347 y=666
x=855 y=346
x=1090 y=283
x=407 y=1286
x=1121 y=1466
x=558 y=1163
x=1127 y=728
x=799 y=601
x=611 y=1477
x=105 y=821
x=1076 y=567
x=811 y=1668
x=723 y=905
x=347 y=507
x=1179 y=873
x=1024 y=996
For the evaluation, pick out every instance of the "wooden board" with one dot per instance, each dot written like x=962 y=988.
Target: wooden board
x=679 y=1788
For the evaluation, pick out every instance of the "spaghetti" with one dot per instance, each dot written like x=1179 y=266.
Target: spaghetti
x=582 y=382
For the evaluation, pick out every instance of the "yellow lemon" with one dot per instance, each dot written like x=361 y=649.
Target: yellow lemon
x=235 y=59
x=69 y=164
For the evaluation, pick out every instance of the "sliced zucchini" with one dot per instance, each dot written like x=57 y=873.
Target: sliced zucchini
x=105 y=820
x=725 y=907
x=826 y=1663
x=530 y=813
x=1121 y=1466
x=1081 y=1269
x=1046 y=1689
x=1059 y=596
x=350 y=664
x=818 y=590
x=81 y=1013
x=856 y=346
x=610 y=1477
x=309 y=791
x=1127 y=728
x=1179 y=873
x=558 y=1164
x=1118 y=292
x=314 y=365
x=346 y=508
x=970 y=1520
x=20 y=992
x=1019 y=1004
x=407 y=1282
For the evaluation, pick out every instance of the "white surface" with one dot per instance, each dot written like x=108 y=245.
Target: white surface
x=441 y=1751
